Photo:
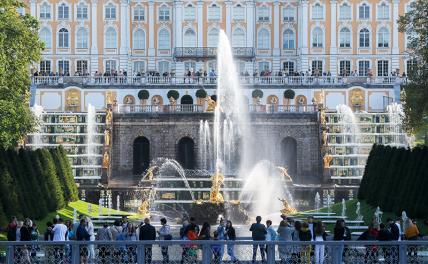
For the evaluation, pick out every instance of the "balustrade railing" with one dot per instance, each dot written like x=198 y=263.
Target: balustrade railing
x=209 y=80
x=209 y=251
x=192 y=108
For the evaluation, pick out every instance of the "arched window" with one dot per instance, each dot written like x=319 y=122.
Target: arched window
x=317 y=38
x=263 y=39
x=111 y=39
x=186 y=153
x=345 y=38
x=317 y=12
x=63 y=38
x=63 y=11
x=288 y=39
x=141 y=151
x=164 y=41
x=383 y=38
x=238 y=38
x=345 y=12
x=238 y=12
x=82 y=38
x=186 y=99
x=189 y=12
x=45 y=11
x=82 y=11
x=213 y=37
x=383 y=11
x=289 y=155
x=139 y=39
x=214 y=12
x=364 y=11
x=364 y=38
x=46 y=37
x=189 y=39
x=139 y=13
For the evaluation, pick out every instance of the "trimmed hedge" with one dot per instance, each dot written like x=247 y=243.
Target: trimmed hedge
x=289 y=94
x=257 y=93
x=34 y=183
x=201 y=93
x=173 y=93
x=143 y=95
x=396 y=179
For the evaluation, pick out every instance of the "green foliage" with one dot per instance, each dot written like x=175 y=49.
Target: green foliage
x=393 y=180
x=257 y=93
x=415 y=94
x=173 y=93
x=19 y=47
x=143 y=94
x=289 y=94
x=201 y=93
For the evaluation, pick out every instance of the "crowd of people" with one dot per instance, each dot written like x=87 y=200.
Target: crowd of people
x=288 y=230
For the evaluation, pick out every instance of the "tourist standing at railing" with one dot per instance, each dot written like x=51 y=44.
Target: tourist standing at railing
x=372 y=251
x=130 y=235
x=216 y=249
x=319 y=235
x=231 y=236
x=165 y=234
x=147 y=232
x=104 y=234
x=270 y=236
x=83 y=235
x=11 y=229
x=388 y=251
x=295 y=255
x=91 y=232
x=59 y=234
x=285 y=233
x=205 y=233
x=48 y=235
x=341 y=233
x=258 y=234
x=305 y=252
x=411 y=232
x=183 y=237
x=221 y=231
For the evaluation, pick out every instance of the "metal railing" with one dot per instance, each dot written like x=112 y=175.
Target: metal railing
x=214 y=251
x=192 y=108
x=194 y=52
x=211 y=80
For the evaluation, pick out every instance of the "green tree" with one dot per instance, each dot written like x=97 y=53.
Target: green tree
x=414 y=24
x=8 y=192
x=19 y=47
x=68 y=174
x=64 y=173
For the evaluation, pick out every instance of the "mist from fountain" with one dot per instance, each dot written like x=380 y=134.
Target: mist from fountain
x=205 y=145
x=350 y=124
x=91 y=131
x=396 y=116
x=37 y=137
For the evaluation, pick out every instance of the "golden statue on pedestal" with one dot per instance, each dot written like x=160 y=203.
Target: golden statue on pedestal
x=215 y=195
x=144 y=209
x=172 y=101
x=149 y=174
x=107 y=137
x=327 y=160
x=285 y=174
x=287 y=209
x=106 y=160
x=211 y=104
x=109 y=116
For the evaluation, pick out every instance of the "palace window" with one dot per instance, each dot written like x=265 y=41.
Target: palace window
x=213 y=37
x=317 y=12
x=82 y=11
x=288 y=14
x=317 y=38
x=82 y=38
x=82 y=66
x=238 y=38
x=364 y=38
x=189 y=39
x=411 y=65
x=383 y=38
x=110 y=65
x=214 y=12
x=45 y=66
x=139 y=39
x=163 y=66
x=288 y=67
x=189 y=12
x=345 y=12
x=46 y=37
x=139 y=13
x=363 y=68
x=63 y=38
x=264 y=66
x=45 y=11
x=263 y=39
x=164 y=14
x=317 y=66
x=63 y=11
x=345 y=68
x=345 y=38
x=364 y=11
x=238 y=12
x=110 y=12
x=190 y=66
x=383 y=68
x=288 y=39
x=111 y=39
x=383 y=11
x=263 y=14
x=164 y=41
x=64 y=67
x=139 y=66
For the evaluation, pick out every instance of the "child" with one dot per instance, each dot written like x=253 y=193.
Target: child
x=216 y=249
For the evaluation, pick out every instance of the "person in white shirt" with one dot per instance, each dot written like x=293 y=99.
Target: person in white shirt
x=60 y=231
x=91 y=232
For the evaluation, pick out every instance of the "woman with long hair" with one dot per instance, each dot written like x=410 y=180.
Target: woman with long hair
x=320 y=235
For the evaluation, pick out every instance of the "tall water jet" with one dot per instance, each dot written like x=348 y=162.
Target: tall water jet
x=396 y=115
x=350 y=126
x=37 y=137
x=205 y=145
x=317 y=201
x=91 y=138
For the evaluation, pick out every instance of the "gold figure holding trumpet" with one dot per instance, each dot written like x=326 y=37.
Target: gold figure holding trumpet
x=287 y=209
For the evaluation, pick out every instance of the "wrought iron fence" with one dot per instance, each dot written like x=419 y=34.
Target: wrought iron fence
x=209 y=80
x=216 y=252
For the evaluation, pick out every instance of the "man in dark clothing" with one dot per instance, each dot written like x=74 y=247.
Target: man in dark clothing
x=258 y=233
x=11 y=229
x=147 y=232
x=393 y=228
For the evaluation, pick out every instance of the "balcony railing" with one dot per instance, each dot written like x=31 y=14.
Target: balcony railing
x=193 y=52
x=209 y=251
x=191 y=108
x=196 y=81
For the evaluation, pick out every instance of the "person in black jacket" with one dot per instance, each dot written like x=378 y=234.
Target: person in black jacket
x=388 y=251
x=83 y=235
x=258 y=233
x=231 y=235
x=395 y=235
x=147 y=232
x=341 y=232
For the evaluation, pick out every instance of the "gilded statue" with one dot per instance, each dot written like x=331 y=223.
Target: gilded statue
x=357 y=97
x=110 y=98
x=107 y=137
x=172 y=101
x=327 y=160
x=155 y=100
x=150 y=174
x=106 y=160
x=215 y=195
x=109 y=116
x=322 y=116
x=273 y=100
x=287 y=209
x=324 y=138
x=211 y=104
x=144 y=208
x=285 y=174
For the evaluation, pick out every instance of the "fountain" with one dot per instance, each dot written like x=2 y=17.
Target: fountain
x=100 y=206
x=328 y=204
x=37 y=138
x=118 y=202
x=358 y=212
x=317 y=201
x=74 y=215
x=343 y=208
x=378 y=216
x=350 y=124
x=91 y=139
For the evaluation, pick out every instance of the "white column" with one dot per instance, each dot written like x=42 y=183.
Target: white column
x=151 y=52
x=250 y=8
x=276 y=65
x=124 y=32
x=333 y=38
x=395 y=49
x=304 y=35
x=33 y=5
x=229 y=19
x=94 y=35
x=178 y=28
x=200 y=24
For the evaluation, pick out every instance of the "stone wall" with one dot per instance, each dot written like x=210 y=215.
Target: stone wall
x=165 y=130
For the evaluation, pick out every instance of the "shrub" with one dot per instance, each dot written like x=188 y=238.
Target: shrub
x=143 y=94
x=201 y=93
x=173 y=93
x=289 y=94
x=257 y=93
